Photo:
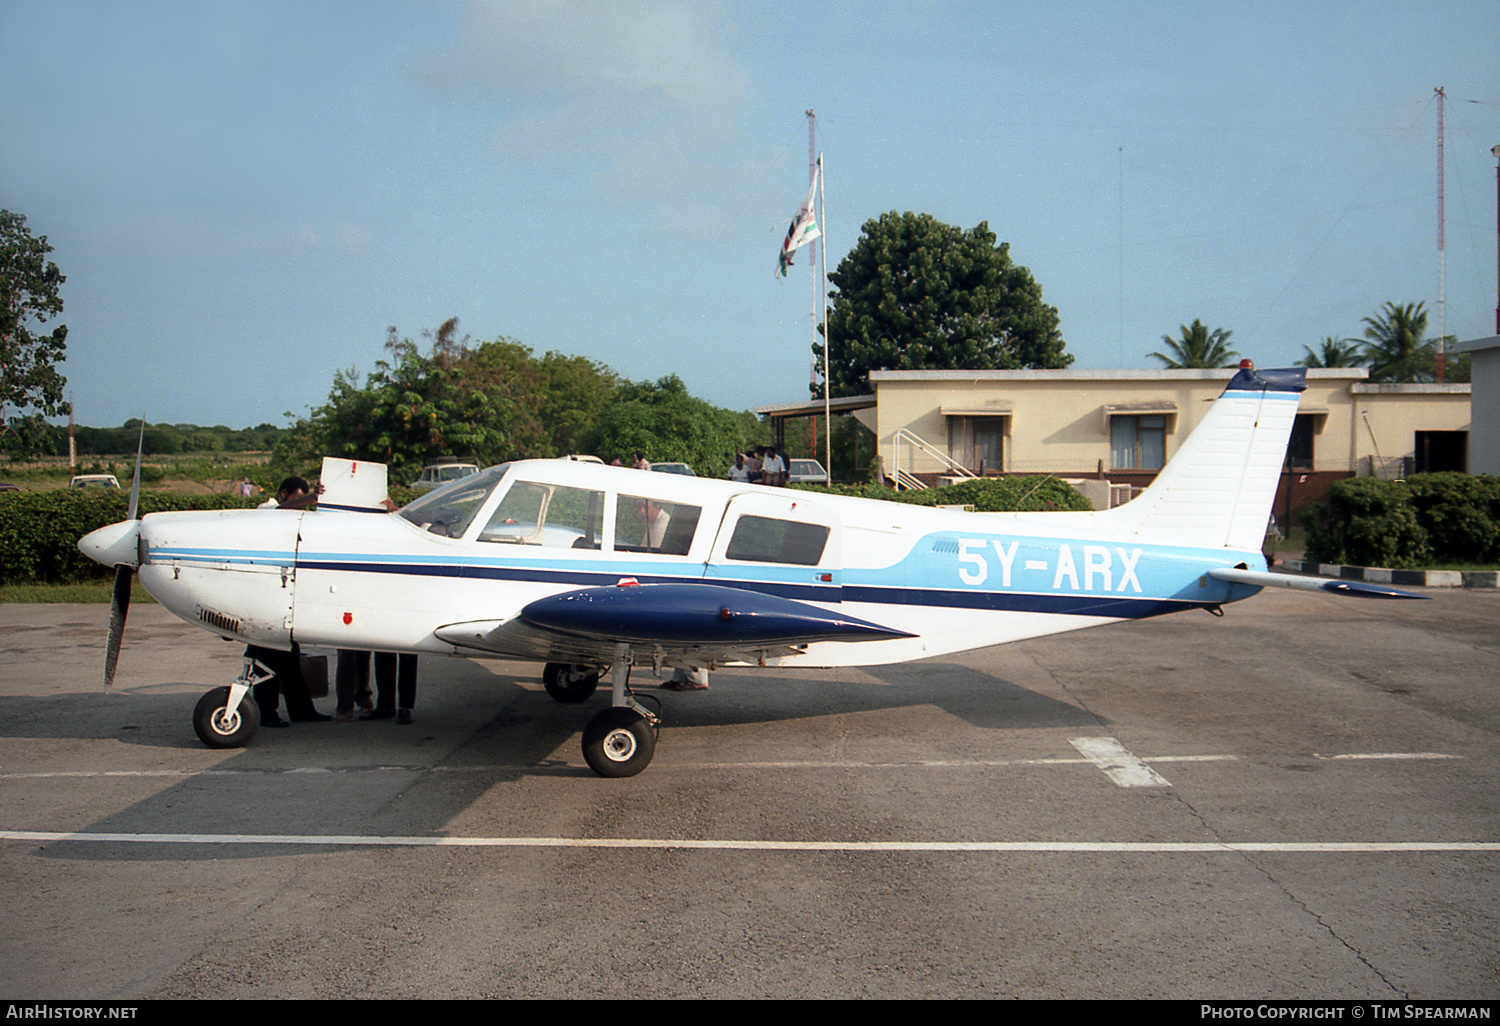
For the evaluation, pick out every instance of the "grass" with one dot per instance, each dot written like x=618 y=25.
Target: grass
x=92 y=591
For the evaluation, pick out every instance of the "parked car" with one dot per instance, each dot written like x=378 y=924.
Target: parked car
x=806 y=472
x=674 y=468
x=440 y=472
x=94 y=481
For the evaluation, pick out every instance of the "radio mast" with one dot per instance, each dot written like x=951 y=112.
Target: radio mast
x=1442 y=256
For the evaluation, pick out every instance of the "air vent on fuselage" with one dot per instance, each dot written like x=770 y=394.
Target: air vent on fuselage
x=219 y=620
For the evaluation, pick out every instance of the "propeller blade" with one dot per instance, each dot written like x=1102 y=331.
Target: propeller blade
x=135 y=481
x=119 y=606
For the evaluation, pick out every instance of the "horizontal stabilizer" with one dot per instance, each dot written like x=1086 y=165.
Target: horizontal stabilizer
x=1337 y=587
x=694 y=614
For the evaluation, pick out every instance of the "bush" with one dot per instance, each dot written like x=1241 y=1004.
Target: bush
x=39 y=531
x=1427 y=518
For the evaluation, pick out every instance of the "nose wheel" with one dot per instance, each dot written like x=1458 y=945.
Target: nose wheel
x=218 y=725
x=228 y=717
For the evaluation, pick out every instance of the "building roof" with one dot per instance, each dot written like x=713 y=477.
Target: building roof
x=814 y=407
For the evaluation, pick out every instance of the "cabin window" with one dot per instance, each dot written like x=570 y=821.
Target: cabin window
x=551 y=515
x=646 y=524
x=1138 y=442
x=767 y=540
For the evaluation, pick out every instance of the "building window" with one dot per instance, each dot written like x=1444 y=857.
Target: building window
x=1438 y=451
x=1137 y=442
x=1299 y=448
x=977 y=443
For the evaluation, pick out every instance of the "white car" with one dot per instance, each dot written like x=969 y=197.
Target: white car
x=435 y=475
x=94 y=481
x=673 y=468
x=806 y=472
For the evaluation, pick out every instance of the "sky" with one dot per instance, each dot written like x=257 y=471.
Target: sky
x=246 y=196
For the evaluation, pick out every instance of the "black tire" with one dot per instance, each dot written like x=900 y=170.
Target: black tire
x=570 y=682
x=618 y=742
x=233 y=731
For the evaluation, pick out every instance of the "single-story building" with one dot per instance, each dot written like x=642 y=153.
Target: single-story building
x=1121 y=426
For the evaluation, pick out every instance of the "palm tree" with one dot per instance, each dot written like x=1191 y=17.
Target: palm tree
x=1334 y=352
x=1396 y=350
x=1198 y=347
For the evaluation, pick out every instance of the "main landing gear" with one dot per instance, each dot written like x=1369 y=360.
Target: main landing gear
x=618 y=741
x=228 y=717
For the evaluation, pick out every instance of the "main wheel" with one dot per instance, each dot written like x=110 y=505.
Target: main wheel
x=219 y=728
x=570 y=682
x=618 y=742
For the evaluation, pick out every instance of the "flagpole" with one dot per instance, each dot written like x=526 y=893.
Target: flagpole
x=827 y=385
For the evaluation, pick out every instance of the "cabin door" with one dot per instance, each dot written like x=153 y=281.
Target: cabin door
x=780 y=543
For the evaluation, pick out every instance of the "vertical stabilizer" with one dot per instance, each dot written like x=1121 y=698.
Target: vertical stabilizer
x=1218 y=488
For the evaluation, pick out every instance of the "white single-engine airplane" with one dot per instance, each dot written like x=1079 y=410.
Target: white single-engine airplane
x=592 y=569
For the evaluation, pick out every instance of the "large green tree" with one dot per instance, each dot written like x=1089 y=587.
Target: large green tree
x=915 y=293
x=30 y=386
x=482 y=402
x=1197 y=347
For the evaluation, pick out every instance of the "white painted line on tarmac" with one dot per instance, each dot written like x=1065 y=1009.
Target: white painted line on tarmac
x=999 y=847
x=1117 y=762
x=219 y=771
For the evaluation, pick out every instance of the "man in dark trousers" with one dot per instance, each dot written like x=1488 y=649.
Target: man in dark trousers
x=286 y=667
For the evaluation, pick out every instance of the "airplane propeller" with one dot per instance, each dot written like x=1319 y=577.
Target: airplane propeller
x=119 y=600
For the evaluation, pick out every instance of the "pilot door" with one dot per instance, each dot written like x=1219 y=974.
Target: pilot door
x=779 y=543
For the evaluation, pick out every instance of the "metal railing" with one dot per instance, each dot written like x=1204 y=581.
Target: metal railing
x=905 y=478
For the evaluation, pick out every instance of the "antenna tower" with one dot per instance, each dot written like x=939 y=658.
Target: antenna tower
x=1442 y=255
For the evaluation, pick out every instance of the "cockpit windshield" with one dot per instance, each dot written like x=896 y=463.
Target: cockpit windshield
x=449 y=510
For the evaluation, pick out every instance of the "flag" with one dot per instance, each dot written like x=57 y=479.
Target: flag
x=803 y=229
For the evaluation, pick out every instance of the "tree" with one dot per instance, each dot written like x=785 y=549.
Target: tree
x=30 y=386
x=661 y=420
x=1334 y=352
x=480 y=402
x=1396 y=350
x=1198 y=347
x=915 y=293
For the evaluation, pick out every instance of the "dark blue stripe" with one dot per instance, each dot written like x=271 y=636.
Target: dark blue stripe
x=1113 y=606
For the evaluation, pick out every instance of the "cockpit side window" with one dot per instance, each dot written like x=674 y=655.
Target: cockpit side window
x=552 y=515
x=450 y=510
x=769 y=540
x=646 y=524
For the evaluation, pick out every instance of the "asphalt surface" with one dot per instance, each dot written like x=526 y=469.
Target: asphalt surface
x=1297 y=800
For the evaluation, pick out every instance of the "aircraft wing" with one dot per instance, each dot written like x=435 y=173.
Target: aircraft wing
x=708 y=623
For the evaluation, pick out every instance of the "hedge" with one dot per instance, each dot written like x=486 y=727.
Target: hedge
x=39 y=531
x=1416 y=522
